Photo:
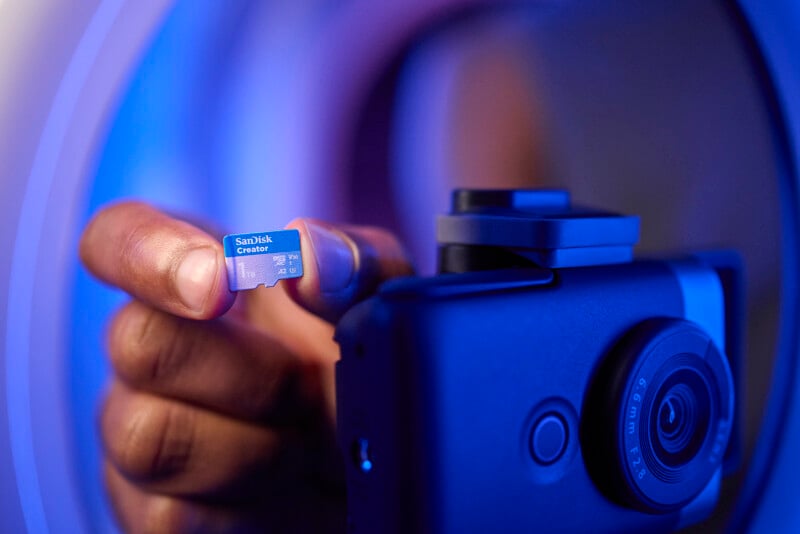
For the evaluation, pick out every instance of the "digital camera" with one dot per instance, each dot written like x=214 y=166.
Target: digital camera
x=543 y=381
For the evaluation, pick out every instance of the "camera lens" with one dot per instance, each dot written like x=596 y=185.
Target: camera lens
x=680 y=421
x=667 y=393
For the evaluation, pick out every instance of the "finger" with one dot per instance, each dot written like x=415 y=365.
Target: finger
x=343 y=264
x=139 y=511
x=177 y=449
x=163 y=261
x=223 y=365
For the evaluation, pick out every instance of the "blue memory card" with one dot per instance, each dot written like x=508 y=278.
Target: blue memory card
x=262 y=258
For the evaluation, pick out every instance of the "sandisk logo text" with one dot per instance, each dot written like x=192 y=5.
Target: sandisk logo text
x=253 y=240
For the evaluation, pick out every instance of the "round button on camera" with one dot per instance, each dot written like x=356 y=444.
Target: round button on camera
x=548 y=439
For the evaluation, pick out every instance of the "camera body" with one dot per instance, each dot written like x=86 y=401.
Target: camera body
x=539 y=387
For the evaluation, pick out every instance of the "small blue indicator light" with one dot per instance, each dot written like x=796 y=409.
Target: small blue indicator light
x=362 y=455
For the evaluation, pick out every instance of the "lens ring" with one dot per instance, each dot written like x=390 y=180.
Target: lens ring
x=666 y=390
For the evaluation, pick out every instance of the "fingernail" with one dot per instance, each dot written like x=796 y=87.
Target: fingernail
x=195 y=277
x=335 y=262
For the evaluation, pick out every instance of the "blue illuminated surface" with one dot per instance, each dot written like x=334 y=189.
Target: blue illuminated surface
x=161 y=149
x=770 y=503
x=25 y=253
x=145 y=156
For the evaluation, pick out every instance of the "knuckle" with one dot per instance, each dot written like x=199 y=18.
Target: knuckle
x=150 y=248
x=164 y=515
x=136 y=246
x=277 y=394
x=155 y=441
x=145 y=344
x=101 y=221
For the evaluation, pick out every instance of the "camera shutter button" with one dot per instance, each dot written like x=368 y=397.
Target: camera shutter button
x=548 y=438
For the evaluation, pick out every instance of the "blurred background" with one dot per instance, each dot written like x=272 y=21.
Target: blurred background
x=249 y=113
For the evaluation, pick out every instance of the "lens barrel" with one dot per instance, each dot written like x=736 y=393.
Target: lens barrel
x=658 y=416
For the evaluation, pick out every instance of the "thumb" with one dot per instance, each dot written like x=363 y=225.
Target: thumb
x=343 y=264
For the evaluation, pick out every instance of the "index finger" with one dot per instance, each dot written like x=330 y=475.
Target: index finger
x=160 y=260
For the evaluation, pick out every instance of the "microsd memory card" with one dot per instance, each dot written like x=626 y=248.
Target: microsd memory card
x=262 y=258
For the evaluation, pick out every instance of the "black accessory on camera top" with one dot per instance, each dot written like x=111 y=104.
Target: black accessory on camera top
x=491 y=229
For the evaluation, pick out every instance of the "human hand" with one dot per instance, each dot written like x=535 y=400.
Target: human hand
x=220 y=415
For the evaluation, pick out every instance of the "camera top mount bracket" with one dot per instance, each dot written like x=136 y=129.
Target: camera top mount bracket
x=488 y=229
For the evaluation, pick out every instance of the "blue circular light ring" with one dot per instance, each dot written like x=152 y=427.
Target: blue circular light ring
x=44 y=479
x=770 y=49
x=25 y=254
